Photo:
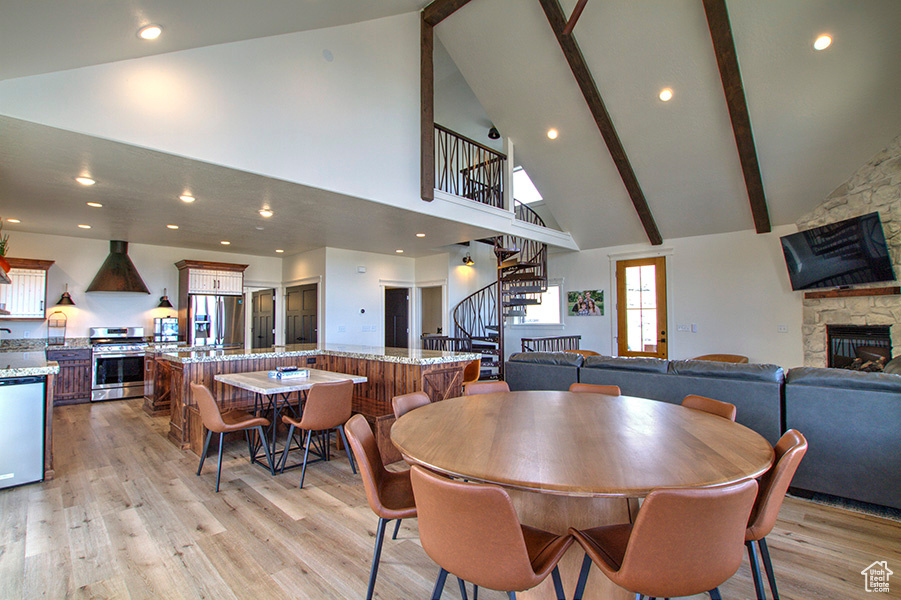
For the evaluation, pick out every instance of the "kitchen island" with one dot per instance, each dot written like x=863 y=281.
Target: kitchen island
x=389 y=372
x=14 y=365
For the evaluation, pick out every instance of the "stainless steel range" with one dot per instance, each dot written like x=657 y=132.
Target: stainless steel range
x=117 y=363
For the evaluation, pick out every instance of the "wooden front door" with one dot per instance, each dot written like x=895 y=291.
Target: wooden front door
x=301 y=310
x=641 y=307
x=262 y=325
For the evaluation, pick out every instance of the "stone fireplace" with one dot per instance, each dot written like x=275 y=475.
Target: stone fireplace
x=876 y=186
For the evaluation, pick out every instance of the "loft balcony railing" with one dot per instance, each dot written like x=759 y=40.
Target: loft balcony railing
x=466 y=168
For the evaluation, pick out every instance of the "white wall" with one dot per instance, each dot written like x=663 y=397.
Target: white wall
x=347 y=292
x=276 y=106
x=77 y=261
x=733 y=286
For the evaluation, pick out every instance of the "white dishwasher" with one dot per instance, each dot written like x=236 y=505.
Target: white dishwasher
x=22 y=406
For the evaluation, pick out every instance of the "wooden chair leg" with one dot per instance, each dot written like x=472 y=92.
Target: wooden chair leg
x=206 y=447
x=755 y=571
x=376 y=556
x=439 y=584
x=396 y=529
x=219 y=466
x=768 y=567
x=583 y=577
x=306 y=453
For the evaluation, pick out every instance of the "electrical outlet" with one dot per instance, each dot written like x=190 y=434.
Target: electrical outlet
x=342 y=328
x=311 y=360
x=782 y=329
x=26 y=333
x=683 y=327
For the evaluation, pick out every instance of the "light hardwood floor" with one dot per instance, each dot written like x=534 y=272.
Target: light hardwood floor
x=126 y=517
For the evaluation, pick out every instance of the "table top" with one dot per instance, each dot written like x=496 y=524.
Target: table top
x=261 y=383
x=579 y=444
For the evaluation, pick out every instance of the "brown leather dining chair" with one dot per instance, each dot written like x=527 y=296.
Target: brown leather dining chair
x=592 y=388
x=389 y=493
x=486 y=387
x=406 y=402
x=472 y=531
x=584 y=352
x=230 y=421
x=328 y=407
x=685 y=541
x=471 y=372
x=790 y=449
x=709 y=405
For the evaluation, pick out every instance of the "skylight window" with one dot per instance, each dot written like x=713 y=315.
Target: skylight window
x=523 y=188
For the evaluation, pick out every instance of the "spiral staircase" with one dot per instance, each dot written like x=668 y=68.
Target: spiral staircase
x=521 y=278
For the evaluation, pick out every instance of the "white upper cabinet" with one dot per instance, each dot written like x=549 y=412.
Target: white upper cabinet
x=26 y=296
x=201 y=280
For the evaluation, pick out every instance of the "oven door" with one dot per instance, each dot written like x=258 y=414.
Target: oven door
x=117 y=376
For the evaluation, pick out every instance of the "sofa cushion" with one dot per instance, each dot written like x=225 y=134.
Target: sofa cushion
x=844 y=378
x=646 y=365
x=893 y=367
x=746 y=372
x=564 y=359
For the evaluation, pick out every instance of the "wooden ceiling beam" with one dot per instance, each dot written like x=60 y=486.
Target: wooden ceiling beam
x=577 y=12
x=580 y=71
x=426 y=112
x=439 y=10
x=727 y=60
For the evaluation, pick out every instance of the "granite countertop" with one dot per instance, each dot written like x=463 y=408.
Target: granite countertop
x=379 y=353
x=26 y=364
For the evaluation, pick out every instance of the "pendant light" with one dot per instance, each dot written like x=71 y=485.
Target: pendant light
x=164 y=301
x=65 y=299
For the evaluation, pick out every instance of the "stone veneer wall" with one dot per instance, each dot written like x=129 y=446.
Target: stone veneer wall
x=876 y=186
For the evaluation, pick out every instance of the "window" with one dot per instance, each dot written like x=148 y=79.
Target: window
x=546 y=313
x=523 y=188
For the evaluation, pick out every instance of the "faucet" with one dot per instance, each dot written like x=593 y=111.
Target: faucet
x=5 y=329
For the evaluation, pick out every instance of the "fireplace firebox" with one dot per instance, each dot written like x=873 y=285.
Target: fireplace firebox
x=845 y=343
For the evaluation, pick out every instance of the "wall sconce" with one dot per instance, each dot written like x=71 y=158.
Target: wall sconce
x=467 y=260
x=164 y=301
x=65 y=299
x=493 y=133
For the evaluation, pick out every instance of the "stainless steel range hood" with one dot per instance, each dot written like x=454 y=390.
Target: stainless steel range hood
x=118 y=273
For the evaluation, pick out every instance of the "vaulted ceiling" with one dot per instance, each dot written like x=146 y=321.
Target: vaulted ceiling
x=816 y=116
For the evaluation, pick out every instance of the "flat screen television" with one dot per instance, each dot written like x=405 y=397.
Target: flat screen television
x=839 y=254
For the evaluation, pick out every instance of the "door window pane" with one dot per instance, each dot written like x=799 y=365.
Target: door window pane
x=641 y=306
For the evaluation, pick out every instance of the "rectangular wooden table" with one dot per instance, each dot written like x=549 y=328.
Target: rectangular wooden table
x=276 y=393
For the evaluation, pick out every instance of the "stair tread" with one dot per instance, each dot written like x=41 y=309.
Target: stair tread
x=523 y=277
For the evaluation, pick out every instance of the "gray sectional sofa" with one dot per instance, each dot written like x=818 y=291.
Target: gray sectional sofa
x=852 y=420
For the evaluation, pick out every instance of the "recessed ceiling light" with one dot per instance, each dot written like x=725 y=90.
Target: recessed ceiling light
x=84 y=226
x=13 y=221
x=95 y=205
x=187 y=198
x=85 y=180
x=552 y=134
x=265 y=212
x=666 y=94
x=150 y=32
x=225 y=243
x=172 y=226
x=279 y=250
x=399 y=251
x=420 y=235
x=259 y=228
x=822 y=42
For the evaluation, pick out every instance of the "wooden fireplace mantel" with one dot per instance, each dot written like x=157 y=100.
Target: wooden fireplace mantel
x=880 y=291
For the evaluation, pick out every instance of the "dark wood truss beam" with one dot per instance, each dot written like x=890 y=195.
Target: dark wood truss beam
x=439 y=10
x=583 y=76
x=727 y=60
x=427 y=111
x=577 y=12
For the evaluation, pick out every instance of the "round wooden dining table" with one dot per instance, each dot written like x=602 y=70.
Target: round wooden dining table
x=578 y=460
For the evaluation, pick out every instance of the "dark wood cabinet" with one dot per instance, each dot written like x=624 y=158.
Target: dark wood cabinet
x=73 y=382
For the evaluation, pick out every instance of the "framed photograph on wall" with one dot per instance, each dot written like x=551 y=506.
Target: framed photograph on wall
x=586 y=303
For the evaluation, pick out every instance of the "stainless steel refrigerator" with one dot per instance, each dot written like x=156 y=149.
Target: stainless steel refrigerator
x=215 y=320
